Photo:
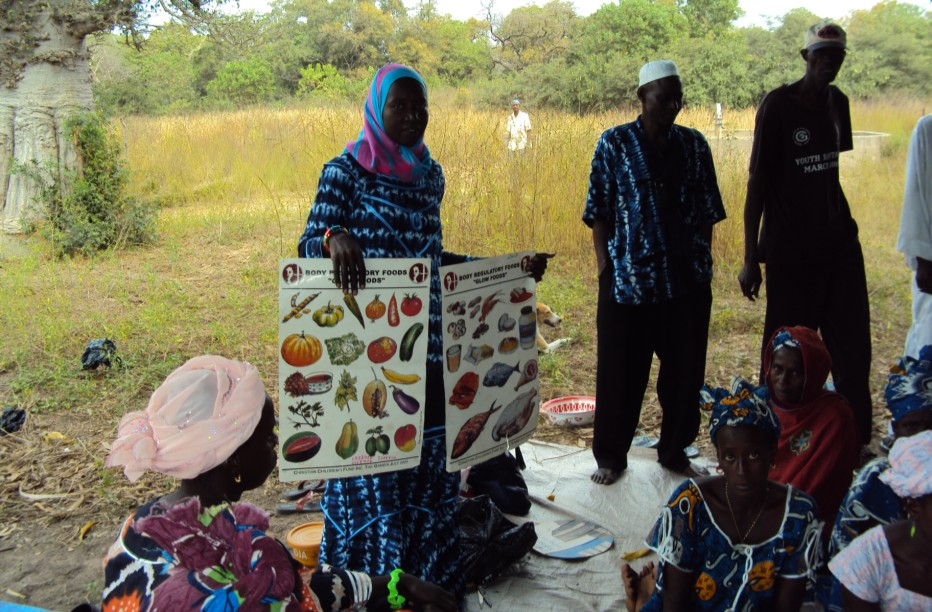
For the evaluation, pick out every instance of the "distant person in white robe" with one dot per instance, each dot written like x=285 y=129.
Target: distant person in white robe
x=915 y=239
x=516 y=131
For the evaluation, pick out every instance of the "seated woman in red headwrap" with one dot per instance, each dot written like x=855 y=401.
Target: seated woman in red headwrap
x=818 y=448
x=212 y=426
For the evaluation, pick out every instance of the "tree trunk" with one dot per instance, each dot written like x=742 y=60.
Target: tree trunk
x=55 y=83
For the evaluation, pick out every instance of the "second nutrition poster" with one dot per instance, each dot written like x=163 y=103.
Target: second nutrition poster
x=490 y=357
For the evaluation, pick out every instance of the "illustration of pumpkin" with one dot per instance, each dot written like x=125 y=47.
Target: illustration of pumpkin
x=705 y=587
x=299 y=350
x=761 y=576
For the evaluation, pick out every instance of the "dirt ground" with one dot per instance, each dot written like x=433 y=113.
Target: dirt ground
x=53 y=488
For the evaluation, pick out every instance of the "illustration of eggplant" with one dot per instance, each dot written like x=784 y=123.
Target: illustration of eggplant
x=470 y=431
x=515 y=416
x=408 y=404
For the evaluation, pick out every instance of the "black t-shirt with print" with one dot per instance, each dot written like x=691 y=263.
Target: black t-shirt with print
x=796 y=150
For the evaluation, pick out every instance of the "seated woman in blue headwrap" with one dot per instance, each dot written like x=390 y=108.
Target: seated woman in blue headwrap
x=737 y=541
x=870 y=501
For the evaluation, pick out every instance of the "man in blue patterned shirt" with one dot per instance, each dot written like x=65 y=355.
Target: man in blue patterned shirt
x=653 y=199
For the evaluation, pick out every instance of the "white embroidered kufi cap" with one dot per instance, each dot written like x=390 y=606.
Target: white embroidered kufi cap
x=653 y=71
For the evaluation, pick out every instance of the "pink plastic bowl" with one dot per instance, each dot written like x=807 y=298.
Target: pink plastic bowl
x=570 y=411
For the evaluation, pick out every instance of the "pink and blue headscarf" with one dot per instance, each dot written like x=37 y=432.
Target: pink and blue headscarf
x=910 y=471
x=374 y=150
x=742 y=404
x=909 y=388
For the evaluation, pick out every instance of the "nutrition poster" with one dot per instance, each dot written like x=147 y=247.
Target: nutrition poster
x=490 y=357
x=351 y=369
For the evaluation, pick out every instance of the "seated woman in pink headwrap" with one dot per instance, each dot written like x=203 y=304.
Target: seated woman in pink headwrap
x=887 y=568
x=818 y=448
x=211 y=425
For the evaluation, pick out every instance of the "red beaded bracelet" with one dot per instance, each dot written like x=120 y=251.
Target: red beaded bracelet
x=335 y=229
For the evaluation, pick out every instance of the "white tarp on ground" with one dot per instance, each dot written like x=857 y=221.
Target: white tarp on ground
x=627 y=509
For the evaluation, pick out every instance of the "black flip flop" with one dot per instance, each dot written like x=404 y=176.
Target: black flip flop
x=304 y=488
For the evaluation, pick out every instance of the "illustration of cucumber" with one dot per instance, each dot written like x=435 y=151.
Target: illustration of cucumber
x=407 y=342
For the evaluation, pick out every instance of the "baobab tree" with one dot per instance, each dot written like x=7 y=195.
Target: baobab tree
x=45 y=77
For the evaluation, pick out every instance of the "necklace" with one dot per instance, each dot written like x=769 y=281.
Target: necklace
x=735 y=521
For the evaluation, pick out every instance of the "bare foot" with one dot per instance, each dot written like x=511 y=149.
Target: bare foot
x=605 y=476
x=647 y=581
x=631 y=580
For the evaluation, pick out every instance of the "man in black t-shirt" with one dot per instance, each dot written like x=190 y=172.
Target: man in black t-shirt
x=808 y=239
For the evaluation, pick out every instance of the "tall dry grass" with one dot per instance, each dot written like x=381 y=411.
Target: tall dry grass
x=248 y=178
x=236 y=188
x=494 y=202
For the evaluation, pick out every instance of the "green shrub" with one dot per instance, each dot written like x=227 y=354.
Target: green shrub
x=85 y=209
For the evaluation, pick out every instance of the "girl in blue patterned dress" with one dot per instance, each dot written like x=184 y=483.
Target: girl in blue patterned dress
x=381 y=198
x=737 y=541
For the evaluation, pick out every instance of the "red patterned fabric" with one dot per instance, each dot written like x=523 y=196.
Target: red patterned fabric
x=818 y=449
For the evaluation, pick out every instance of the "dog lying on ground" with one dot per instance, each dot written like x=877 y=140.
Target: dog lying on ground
x=546 y=316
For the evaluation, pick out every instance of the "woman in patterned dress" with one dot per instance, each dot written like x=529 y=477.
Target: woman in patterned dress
x=381 y=198
x=212 y=425
x=889 y=568
x=737 y=541
x=870 y=501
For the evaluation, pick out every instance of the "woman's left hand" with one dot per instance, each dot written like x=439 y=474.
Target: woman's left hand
x=538 y=265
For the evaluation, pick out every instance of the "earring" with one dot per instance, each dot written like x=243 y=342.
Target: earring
x=719 y=470
x=912 y=529
x=237 y=479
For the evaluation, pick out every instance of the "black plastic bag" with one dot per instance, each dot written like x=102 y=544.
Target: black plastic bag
x=98 y=352
x=500 y=479
x=11 y=420
x=489 y=542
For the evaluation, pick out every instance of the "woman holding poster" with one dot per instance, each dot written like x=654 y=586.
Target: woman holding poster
x=381 y=199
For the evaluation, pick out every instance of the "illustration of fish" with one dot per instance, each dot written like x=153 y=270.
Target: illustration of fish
x=499 y=374
x=515 y=416
x=470 y=431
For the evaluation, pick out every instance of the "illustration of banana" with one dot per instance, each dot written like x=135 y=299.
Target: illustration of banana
x=398 y=378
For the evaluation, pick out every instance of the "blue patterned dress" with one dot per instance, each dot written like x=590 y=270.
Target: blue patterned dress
x=401 y=519
x=730 y=577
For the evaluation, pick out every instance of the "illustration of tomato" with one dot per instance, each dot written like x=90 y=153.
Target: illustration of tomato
x=411 y=305
x=393 y=318
x=381 y=349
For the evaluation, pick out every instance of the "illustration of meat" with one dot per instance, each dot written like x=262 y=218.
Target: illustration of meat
x=470 y=431
x=499 y=374
x=464 y=392
x=515 y=416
